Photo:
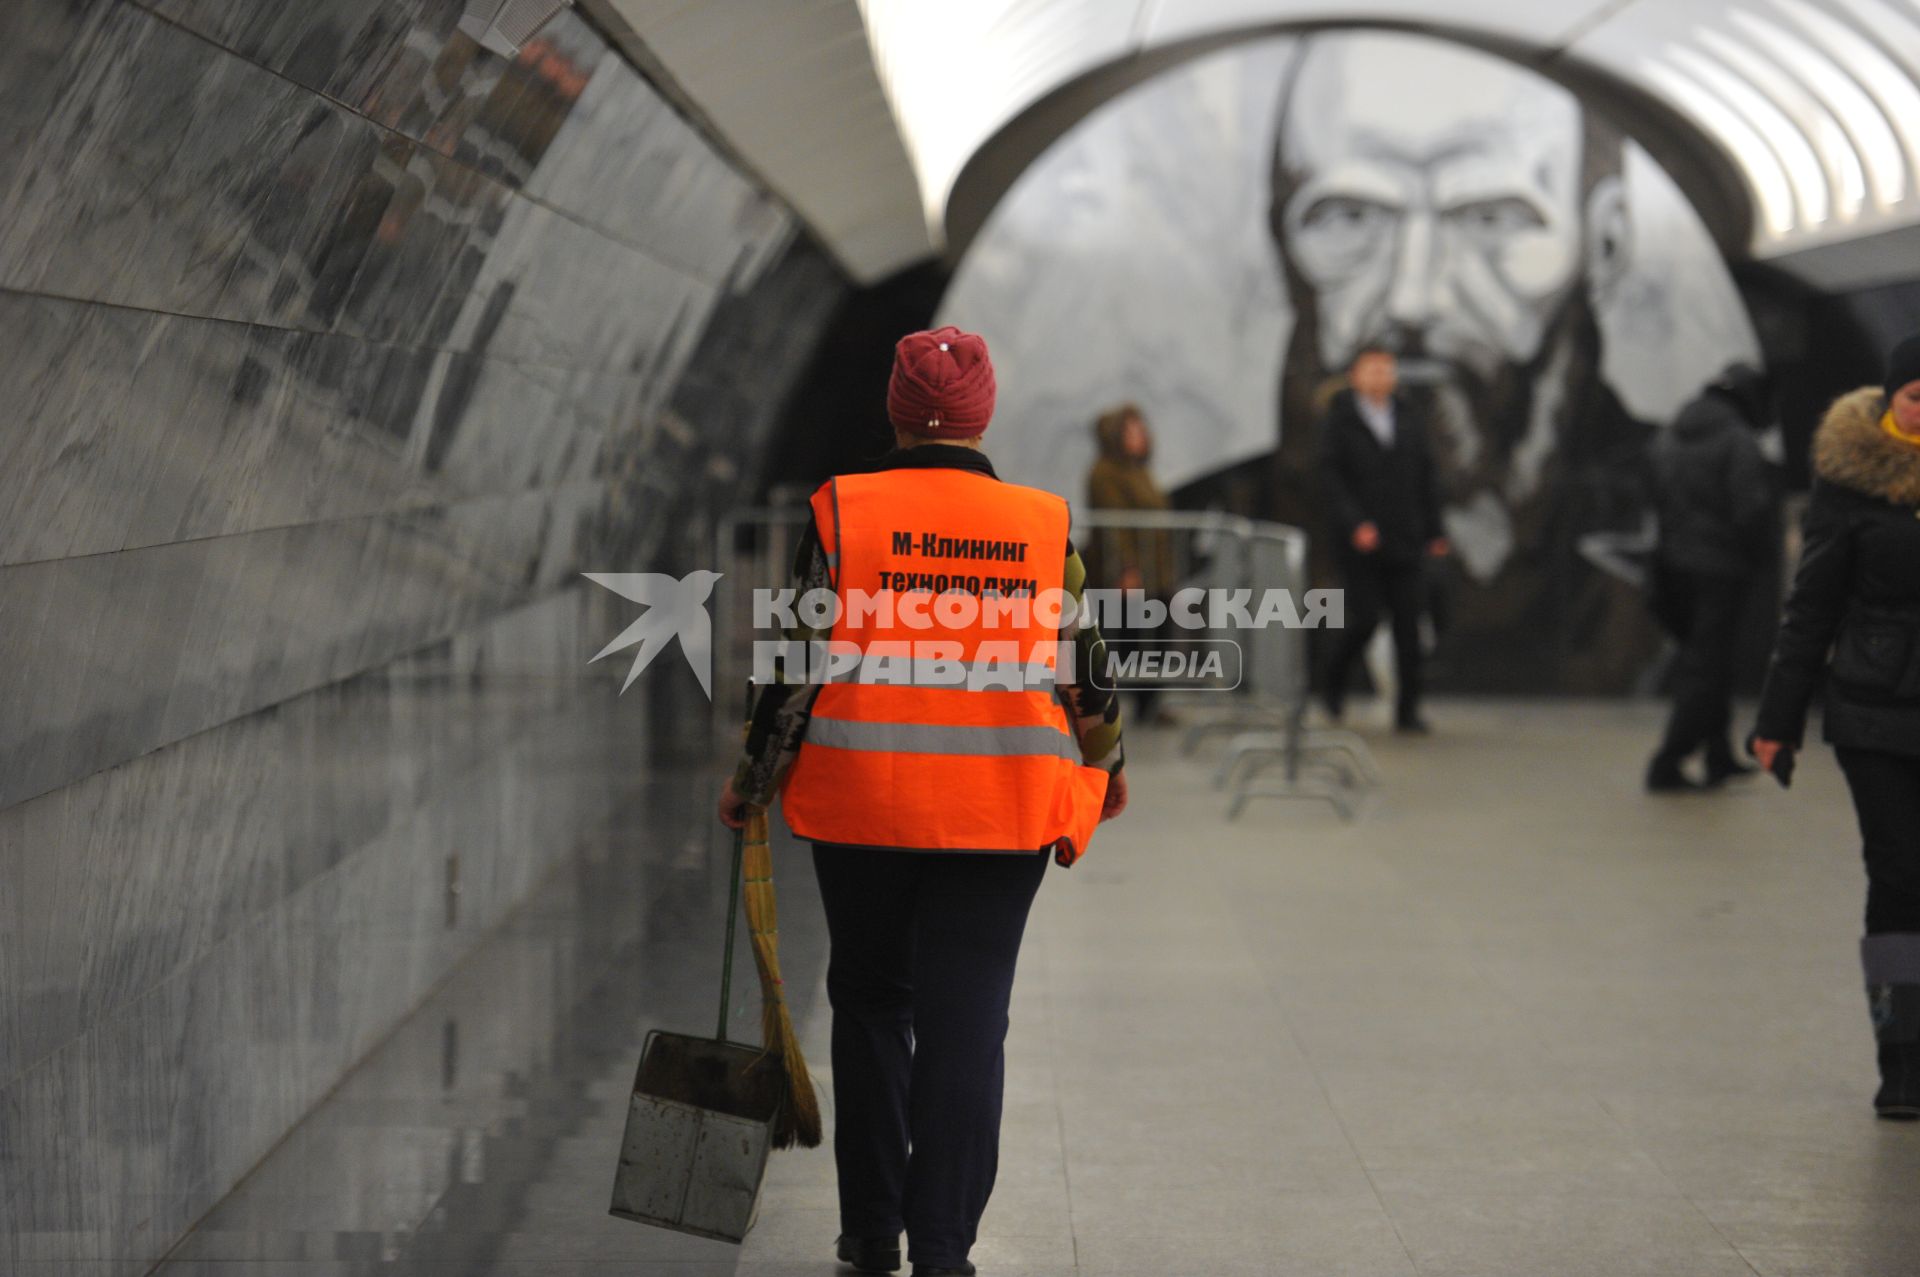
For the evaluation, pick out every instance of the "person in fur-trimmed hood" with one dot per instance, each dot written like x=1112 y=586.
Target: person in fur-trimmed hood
x=1854 y=615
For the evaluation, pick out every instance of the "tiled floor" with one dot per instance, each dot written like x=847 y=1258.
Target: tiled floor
x=1520 y=1019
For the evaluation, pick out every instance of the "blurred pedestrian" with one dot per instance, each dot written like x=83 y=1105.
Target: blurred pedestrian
x=1715 y=496
x=1854 y=615
x=1131 y=559
x=1382 y=500
x=932 y=801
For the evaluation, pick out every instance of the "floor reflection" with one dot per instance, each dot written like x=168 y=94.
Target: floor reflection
x=481 y=1137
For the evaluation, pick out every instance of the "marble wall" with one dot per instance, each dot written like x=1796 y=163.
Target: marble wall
x=332 y=349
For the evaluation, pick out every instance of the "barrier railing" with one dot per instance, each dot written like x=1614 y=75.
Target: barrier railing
x=1269 y=752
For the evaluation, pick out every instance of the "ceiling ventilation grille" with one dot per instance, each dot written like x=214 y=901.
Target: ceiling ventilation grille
x=502 y=26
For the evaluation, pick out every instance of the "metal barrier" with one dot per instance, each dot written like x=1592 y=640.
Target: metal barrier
x=1270 y=752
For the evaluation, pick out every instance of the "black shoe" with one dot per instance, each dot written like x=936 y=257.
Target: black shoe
x=1415 y=726
x=1665 y=777
x=929 y=1270
x=870 y=1254
x=1899 y=1096
x=1722 y=770
x=1896 y=1024
x=1336 y=705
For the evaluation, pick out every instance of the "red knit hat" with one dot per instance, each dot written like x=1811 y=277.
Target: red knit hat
x=942 y=386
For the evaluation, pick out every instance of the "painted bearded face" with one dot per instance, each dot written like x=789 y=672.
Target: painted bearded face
x=1431 y=200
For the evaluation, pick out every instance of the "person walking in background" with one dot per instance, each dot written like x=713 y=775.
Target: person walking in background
x=1130 y=558
x=1715 y=499
x=932 y=809
x=1382 y=501
x=1857 y=596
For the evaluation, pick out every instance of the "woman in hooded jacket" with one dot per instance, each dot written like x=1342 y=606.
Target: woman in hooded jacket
x=1854 y=615
x=1130 y=558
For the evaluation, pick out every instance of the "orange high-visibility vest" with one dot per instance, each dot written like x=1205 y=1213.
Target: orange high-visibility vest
x=964 y=746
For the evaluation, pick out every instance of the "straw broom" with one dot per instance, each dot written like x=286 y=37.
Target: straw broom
x=799 y=1120
x=800 y=1117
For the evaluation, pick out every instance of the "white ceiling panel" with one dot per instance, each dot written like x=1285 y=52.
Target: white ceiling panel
x=863 y=113
x=1538 y=22
x=956 y=73
x=1820 y=117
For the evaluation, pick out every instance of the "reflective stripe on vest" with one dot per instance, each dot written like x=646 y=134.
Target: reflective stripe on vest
x=893 y=762
x=933 y=738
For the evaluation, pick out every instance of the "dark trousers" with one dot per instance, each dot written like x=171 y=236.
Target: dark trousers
x=1373 y=584
x=1702 y=712
x=920 y=975
x=1886 y=798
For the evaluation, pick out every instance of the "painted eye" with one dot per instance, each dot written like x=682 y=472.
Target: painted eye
x=1497 y=217
x=1344 y=213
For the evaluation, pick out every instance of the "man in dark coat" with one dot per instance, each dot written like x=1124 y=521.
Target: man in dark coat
x=1715 y=496
x=1383 y=504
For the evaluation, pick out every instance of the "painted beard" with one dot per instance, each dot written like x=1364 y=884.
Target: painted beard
x=1474 y=424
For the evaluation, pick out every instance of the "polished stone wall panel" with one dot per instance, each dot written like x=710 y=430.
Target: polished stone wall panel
x=623 y=153
x=314 y=218
x=244 y=621
x=552 y=291
x=273 y=997
x=335 y=350
x=138 y=429
x=271 y=1041
x=519 y=1068
x=753 y=336
x=404 y=65
x=167 y=176
x=568 y=121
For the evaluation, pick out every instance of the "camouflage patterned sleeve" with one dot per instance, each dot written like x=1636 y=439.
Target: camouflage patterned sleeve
x=1095 y=710
x=781 y=712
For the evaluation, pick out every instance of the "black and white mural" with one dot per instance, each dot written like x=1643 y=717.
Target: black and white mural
x=1218 y=243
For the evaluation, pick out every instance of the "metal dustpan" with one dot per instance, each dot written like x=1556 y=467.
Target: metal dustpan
x=700 y=1124
x=699 y=1127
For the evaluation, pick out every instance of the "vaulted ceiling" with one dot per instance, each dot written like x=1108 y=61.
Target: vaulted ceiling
x=894 y=125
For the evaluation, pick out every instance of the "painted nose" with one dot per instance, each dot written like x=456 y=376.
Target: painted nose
x=1411 y=302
